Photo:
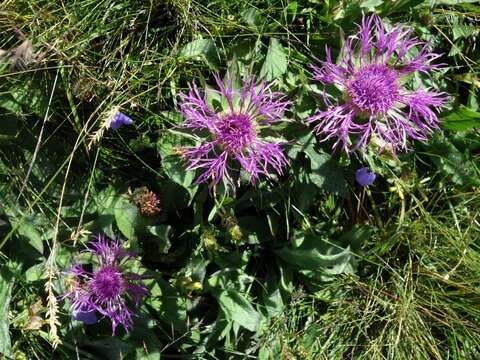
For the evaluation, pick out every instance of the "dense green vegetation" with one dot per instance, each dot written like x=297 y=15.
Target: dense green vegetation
x=305 y=265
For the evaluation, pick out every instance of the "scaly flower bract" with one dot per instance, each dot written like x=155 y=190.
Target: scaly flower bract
x=233 y=130
x=370 y=73
x=108 y=288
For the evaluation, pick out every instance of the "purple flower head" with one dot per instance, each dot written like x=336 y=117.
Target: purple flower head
x=376 y=104
x=120 y=119
x=108 y=289
x=365 y=177
x=233 y=120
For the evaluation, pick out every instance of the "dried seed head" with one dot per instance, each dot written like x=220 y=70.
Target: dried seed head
x=146 y=201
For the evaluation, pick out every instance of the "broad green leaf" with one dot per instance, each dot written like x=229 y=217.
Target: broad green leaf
x=161 y=233
x=451 y=162
x=8 y=124
x=109 y=348
x=35 y=272
x=462 y=31
x=196 y=48
x=127 y=218
x=461 y=119
x=453 y=2
x=253 y=17
x=28 y=230
x=6 y=284
x=199 y=48
x=311 y=335
x=255 y=229
x=275 y=63
x=356 y=237
x=24 y=95
x=175 y=169
x=313 y=254
x=170 y=141
x=271 y=350
x=148 y=346
x=273 y=303
x=169 y=305
x=238 y=309
x=392 y=7
x=326 y=173
x=305 y=193
x=370 y=5
x=312 y=259
x=290 y=11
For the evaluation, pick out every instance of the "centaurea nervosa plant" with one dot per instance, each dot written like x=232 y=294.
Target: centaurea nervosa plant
x=232 y=120
x=108 y=289
x=370 y=72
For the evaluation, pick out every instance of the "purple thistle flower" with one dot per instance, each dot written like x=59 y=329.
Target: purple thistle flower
x=376 y=104
x=108 y=288
x=234 y=130
x=120 y=119
x=365 y=177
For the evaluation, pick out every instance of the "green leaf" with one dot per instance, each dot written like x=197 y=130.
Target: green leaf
x=356 y=237
x=326 y=173
x=273 y=303
x=110 y=348
x=315 y=254
x=147 y=344
x=255 y=228
x=161 y=234
x=27 y=229
x=201 y=48
x=271 y=350
x=196 y=48
x=452 y=2
x=275 y=63
x=399 y=6
x=312 y=259
x=305 y=193
x=370 y=5
x=237 y=308
x=8 y=124
x=24 y=95
x=175 y=170
x=311 y=335
x=253 y=17
x=462 y=31
x=127 y=218
x=6 y=284
x=461 y=119
x=169 y=305
x=451 y=162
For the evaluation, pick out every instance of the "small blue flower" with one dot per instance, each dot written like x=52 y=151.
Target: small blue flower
x=88 y=317
x=365 y=177
x=120 y=119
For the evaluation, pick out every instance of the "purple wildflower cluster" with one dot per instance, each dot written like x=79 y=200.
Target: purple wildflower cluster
x=376 y=106
x=370 y=72
x=108 y=288
x=234 y=131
